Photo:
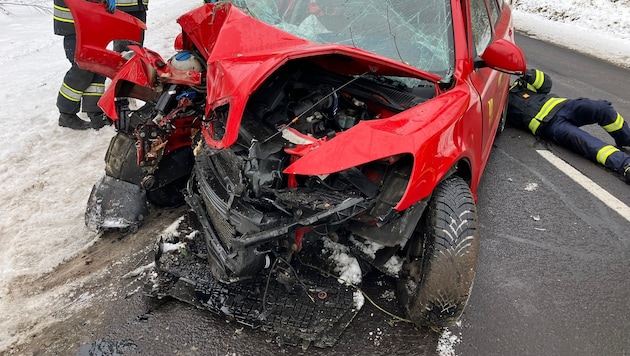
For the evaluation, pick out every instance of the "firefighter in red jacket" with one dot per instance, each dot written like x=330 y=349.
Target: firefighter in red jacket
x=533 y=107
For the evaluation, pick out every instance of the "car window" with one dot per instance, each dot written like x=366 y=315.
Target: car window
x=482 y=30
x=418 y=33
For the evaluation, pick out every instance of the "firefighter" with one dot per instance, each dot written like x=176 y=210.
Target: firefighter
x=137 y=9
x=533 y=107
x=81 y=89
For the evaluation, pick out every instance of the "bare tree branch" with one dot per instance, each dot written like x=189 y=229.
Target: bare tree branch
x=36 y=5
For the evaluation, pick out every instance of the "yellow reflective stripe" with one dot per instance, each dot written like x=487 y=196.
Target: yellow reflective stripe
x=95 y=89
x=124 y=3
x=544 y=111
x=69 y=93
x=617 y=125
x=533 y=125
x=62 y=14
x=128 y=3
x=549 y=105
x=540 y=79
x=604 y=153
x=531 y=88
x=68 y=97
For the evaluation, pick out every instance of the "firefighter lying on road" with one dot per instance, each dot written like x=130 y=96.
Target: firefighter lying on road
x=533 y=107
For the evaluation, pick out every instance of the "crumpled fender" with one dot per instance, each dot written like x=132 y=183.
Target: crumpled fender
x=96 y=28
x=142 y=70
x=426 y=131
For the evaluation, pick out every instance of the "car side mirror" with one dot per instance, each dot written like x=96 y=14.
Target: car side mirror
x=504 y=56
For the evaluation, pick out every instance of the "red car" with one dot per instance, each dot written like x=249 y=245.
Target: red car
x=307 y=137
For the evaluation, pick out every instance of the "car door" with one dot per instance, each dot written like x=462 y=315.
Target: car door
x=491 y=85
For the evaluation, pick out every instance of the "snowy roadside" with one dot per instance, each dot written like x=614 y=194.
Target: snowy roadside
x=47 y=171
x=610 y=47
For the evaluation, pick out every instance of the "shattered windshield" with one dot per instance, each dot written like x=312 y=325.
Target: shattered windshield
x=415 y=32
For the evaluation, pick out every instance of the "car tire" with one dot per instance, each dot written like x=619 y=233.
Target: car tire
x=437 y=277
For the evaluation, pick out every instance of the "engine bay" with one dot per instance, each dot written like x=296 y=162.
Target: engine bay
x=319 y=103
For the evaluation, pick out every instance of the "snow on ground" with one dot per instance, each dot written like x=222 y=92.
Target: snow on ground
x=347 y=267
x=447 y=342
x=47 y=171
x=600 y=28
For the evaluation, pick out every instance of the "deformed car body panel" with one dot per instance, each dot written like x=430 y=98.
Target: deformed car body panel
x=434 y=145
x=92 y=53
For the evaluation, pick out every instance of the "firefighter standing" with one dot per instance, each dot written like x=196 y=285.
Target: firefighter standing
x=137 y=9
x=81 y=89
x=533 y=107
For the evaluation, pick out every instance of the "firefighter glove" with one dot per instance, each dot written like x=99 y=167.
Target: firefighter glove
x=110 y=5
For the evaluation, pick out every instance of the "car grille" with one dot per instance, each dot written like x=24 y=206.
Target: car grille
x=216 y=209
x=224 y=229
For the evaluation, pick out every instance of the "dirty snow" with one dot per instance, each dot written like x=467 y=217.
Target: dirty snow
x=376 y=336
x=347 y=267
x=388 y=295
x=599 y=28
x=140 y=270
x=447 y=342
x=47 y=171
x=393 y=265
x=359 y=299
x=171 y=230
x=369 y=248
x=531 y=186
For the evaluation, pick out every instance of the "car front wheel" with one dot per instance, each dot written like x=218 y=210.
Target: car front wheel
x=437 y=277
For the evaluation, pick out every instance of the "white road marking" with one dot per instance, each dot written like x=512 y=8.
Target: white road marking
x=599 y=192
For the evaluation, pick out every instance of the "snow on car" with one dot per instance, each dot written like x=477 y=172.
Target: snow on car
x=307 y=138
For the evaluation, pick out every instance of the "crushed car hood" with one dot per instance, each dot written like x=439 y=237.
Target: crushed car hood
x=238 y=62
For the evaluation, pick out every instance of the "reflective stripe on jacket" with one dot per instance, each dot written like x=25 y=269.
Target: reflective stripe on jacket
x=543 y=114
x=531 y=103
x=63 y=22
x=132 y=5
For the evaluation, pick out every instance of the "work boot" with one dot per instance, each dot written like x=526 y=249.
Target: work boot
x=72 y=121
x=626 y=173
x=98 y=120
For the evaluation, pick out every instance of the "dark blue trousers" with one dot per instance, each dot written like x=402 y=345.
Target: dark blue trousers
x=564 y=129
x=81 y=89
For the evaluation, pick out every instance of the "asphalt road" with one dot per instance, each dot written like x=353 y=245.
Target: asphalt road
x=554 y=261
x=552 y=276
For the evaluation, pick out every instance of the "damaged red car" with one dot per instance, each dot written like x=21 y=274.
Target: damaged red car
x=306 y=137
